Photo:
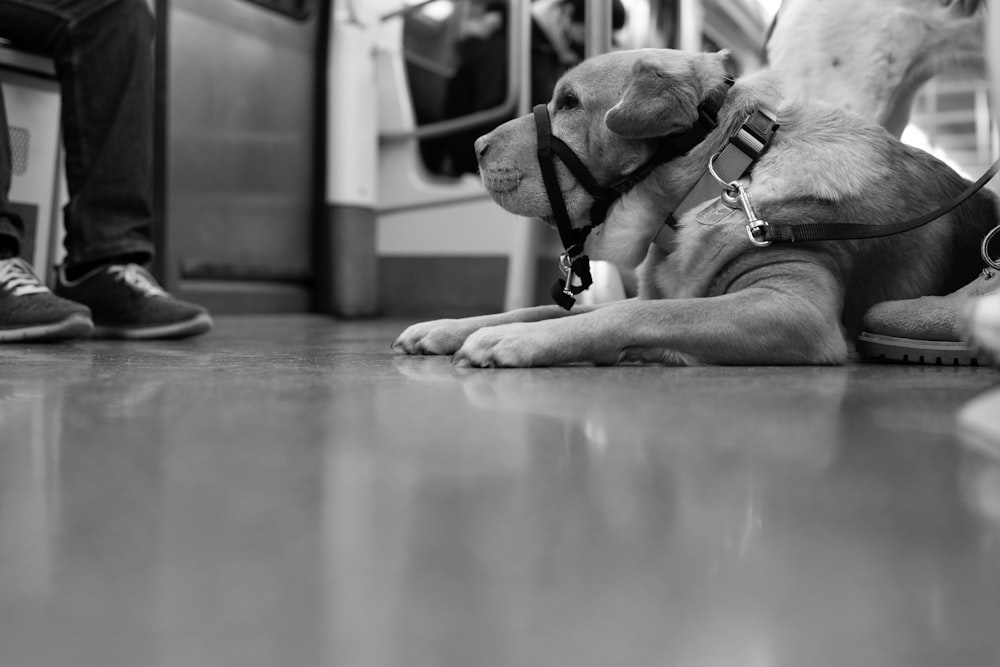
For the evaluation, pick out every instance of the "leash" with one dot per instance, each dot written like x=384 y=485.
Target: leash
x=573 y=262
x=762 y=233
x=839 y=231
x=748 y=144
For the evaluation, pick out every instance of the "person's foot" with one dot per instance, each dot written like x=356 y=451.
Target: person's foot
x=29 y=311
x=929 y=329
x=981 y=324
x=127 y=302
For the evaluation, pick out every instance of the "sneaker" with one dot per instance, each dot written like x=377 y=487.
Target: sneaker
x=29 y=311
x=929 y=329
x=127 y=302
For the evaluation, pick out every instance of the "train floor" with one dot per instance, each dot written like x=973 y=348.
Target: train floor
x=285 y=491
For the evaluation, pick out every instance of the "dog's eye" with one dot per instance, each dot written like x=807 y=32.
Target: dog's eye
x=568 y=101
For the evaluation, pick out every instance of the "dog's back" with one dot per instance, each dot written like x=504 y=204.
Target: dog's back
x=840 y=167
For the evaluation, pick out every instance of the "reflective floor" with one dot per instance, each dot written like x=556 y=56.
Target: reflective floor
x=286 y=492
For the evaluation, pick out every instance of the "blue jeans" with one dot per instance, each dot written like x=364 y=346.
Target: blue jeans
x=103 y=55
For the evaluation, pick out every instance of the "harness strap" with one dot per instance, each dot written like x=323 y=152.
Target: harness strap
x=548 y=168
x=744 y=147
x=840 y=231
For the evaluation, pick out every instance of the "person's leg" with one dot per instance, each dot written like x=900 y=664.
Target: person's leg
x=10 y=224
x=102 y=50
x=28 y=309
x=103 y=55
x=107 y=73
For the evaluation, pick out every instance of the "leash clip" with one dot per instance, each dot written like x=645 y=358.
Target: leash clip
x=757 y=233
x=735 y=195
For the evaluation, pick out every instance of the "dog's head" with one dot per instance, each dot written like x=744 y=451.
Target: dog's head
x=611 y=110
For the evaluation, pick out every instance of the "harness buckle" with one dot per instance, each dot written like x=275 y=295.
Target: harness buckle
x=755 y=133
x=566 y=267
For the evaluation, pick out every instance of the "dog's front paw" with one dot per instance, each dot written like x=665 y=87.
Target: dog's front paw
x=505 y=346
x=434 y=337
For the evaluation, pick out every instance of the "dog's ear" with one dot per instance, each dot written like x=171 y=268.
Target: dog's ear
x=663 y=96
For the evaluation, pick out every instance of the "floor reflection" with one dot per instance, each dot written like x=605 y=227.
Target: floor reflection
x=286 y=491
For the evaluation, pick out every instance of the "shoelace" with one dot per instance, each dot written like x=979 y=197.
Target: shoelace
x=17 y=278
x=137 y=277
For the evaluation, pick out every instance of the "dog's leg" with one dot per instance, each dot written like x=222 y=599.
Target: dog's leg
x=446 y=336
x=790 y=319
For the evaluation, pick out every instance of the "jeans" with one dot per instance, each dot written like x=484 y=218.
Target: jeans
x=103 y=55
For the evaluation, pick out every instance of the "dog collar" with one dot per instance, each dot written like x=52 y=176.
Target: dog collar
x=746 y=145
x=572 y=262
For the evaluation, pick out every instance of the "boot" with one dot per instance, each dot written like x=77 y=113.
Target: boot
x=958 y=329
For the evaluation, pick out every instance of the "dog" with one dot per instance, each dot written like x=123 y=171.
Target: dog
x=873 y=57
x=710 y=295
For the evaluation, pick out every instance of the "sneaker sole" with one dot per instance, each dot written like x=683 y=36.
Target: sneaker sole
x=193 y=327
x=74 y=326
x=915 y=351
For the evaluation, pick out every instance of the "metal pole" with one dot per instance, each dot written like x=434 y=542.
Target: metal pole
x=599 y=30
x=346 y=261
x=692 y=25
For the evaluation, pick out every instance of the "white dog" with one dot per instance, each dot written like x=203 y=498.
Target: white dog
x=873 y=57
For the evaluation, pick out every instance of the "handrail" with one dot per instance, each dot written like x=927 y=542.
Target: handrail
x=598 y=37
x=403 y=11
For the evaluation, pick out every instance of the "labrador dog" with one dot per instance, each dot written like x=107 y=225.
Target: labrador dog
x=711 y=296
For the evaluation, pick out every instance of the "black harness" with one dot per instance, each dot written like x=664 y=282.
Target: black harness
x=573 y=262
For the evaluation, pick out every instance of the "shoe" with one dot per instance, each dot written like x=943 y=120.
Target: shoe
x=29 y=311
x=127 y=302
x=930 y=329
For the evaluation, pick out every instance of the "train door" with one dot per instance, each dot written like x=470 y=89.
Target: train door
x=436 y=227
x=238 y=131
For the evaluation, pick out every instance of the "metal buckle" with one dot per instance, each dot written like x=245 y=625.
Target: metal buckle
x=757 y=232
x=566 y=267
x=735 y=196
x=755 y=133
x=756 y=228
x=984 y=249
